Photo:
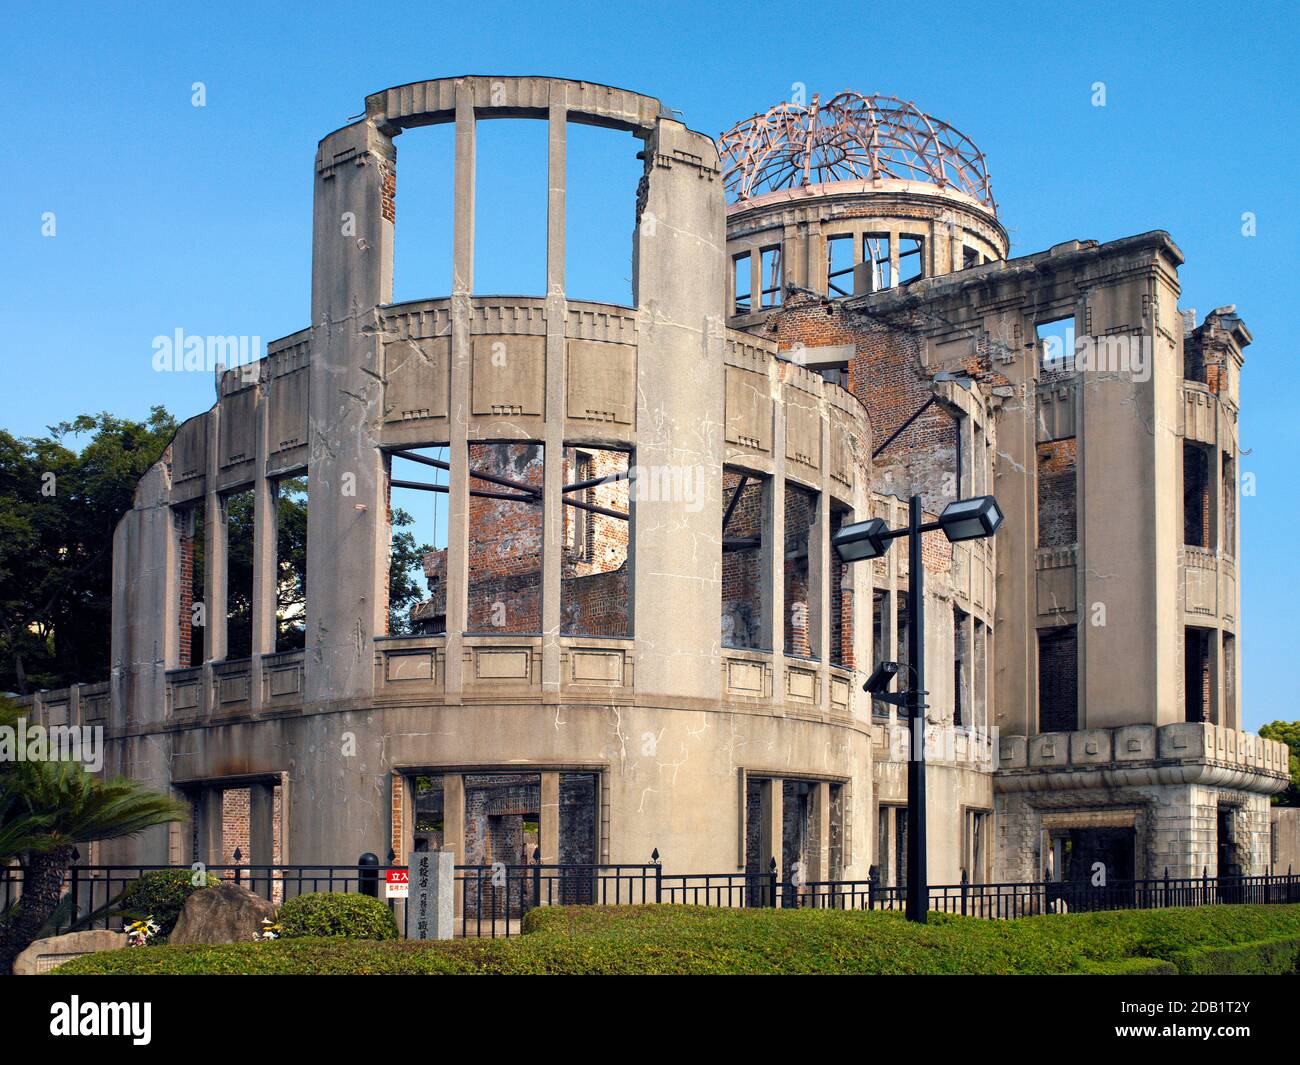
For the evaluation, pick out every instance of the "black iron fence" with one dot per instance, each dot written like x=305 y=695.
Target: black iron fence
x=491 y=900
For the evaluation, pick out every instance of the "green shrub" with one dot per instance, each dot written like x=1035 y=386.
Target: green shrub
x=1264 y=957
x=1129 y=967
x=160 y=894
x=697 y=940
x=336 y=914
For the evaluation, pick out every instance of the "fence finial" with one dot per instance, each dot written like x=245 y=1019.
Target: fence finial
x=772 y=864
x=654 y=856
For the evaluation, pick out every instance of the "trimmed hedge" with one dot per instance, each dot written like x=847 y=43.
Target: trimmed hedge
x=160 y=894
x=336 y=914
x=1265 y=957
x=688 y=939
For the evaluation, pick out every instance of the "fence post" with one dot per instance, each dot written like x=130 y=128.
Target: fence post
x=871 y=887
x=965 y=890
x=1047 y=879
x=74 y=892
x=771 y=882
x=1164 y=901
x=1205 y=886
x=537 y=876
x=367 y=875
x=659 y=875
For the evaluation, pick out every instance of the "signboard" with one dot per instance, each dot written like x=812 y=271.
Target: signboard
x=397 y=884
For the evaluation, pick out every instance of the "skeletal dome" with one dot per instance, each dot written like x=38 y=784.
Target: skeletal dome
x=850 y=137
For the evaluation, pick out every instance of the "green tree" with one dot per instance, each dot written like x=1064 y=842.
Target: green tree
x=46 y=809
x=405 y=568
x=1287 y=732
x=58 y=509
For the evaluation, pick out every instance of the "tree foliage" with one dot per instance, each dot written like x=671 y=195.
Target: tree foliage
x=1287 y=732
x=58 y=509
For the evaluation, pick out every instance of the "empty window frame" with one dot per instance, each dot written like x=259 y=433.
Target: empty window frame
x=800 y=603
x=595 y=578
x=1198 y=515
x=290 y=563
x=745 y=500
x=979 y=705
x=510 y=206
x=839 y=265
x=1056 y=348
x=423 y=227
x=770 y=273
x=505 y=551
x=1228 y=543
x=961 y=673
x=741 y=282
x=975 y=844
x=911 y=258
x=1057 y=498
x=191 y=610
x=876 y=261
x=417 y=545
x=237 y=512
x=1058 y=679
x=841 y=589
x=1198 y=683
x=602 y=173
x=879 y=641
x=969 y=257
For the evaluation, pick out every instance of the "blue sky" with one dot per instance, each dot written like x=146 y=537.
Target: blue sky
x=170 y=216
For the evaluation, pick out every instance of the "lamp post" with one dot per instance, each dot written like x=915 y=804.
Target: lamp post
x=966 y=519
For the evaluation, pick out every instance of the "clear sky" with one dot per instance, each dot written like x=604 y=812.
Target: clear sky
x=170 y=216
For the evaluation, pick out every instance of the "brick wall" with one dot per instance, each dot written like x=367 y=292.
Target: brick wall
x=1057 y=498
x=1058 y=679
x=1196 y=495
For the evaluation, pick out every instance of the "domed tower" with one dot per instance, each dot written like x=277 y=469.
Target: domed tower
x=840 y=214
x=850 y=196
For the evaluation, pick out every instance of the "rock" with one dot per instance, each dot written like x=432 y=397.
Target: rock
x=227 y=913
x=45 y=954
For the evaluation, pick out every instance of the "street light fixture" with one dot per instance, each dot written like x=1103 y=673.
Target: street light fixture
x=966 y=519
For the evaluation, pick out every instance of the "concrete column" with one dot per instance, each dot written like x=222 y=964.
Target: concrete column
x=351 y=276
x=453 y=825
x=680 y=285
x=214 y=553
x=265 y=546
x=261 y=824
x=550 y=819
x=144 y=618
x=453 y=815
x=819 y=850
x=556 y=312
x=209 y=827
x=771 y=826
x=462 y=287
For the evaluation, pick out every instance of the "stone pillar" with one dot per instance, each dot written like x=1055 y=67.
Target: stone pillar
x=819 y=849
x=145 y=600
x=265 y=547
x=453 y=824
x=462 y=286
x=553 y=453
x=352 y=269
x=549 y=829
x=680 y=256
x=209 y=826
x=771 y=828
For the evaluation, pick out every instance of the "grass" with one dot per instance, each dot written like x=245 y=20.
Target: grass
x=697 y=940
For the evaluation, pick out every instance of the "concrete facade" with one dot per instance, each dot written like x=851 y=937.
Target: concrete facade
x=726 y=726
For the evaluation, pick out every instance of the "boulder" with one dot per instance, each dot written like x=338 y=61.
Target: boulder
x=45 y=954
x=227 y=913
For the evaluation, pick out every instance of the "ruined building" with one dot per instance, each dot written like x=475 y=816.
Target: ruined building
x=630 y=631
